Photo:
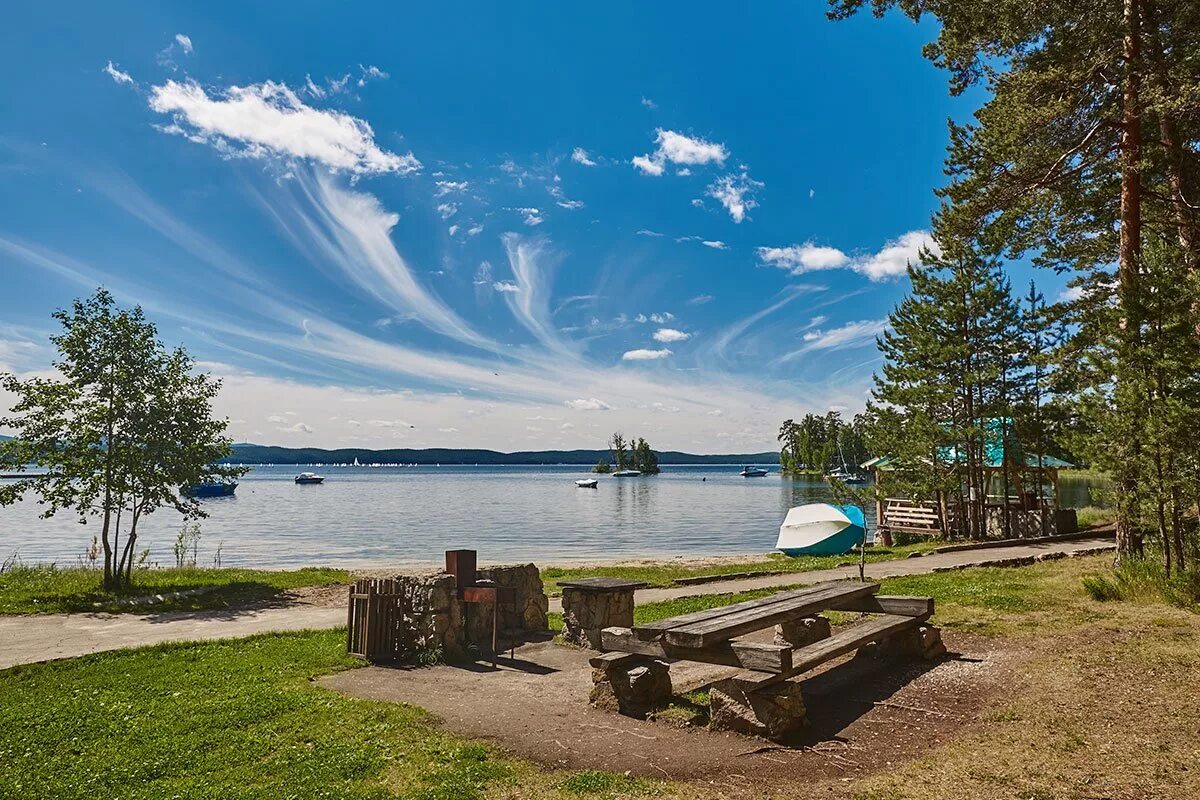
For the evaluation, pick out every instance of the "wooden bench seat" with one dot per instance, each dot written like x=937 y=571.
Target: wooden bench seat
x=842 y=642
x=911 y=517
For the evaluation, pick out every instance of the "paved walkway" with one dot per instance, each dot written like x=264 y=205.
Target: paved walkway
x=29 y=639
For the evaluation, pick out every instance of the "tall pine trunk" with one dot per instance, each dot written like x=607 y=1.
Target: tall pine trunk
x=1131 y=237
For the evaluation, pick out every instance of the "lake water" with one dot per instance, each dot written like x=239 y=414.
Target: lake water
x=408 y=516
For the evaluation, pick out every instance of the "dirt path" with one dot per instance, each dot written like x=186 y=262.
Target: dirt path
x=28 y=639
x=864 y=715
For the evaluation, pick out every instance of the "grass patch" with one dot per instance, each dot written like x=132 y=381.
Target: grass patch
x=596 y=783
x=46 y=589
x=232 y=719
x=1144 y=581
x=1090 y=516
x=663 y=574
x=242 y=719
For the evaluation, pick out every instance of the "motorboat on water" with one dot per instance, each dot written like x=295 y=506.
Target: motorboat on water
x=821 y=529
x=752 y=472
x=212 y=489
x=309 y=477
x=587 y=483
x=627 y=473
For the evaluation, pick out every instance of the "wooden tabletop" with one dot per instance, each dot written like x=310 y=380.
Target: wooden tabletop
x=705 y=628
x=604 y=584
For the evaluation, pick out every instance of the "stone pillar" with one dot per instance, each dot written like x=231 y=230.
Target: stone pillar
x=629 y=684
x=801 y=632
x=771 y=712
x=592 y=604
x=924 y=642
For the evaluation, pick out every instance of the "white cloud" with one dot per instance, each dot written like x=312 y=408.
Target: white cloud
x=894 y=258
x=370 y=72
x=590 y=404
x=715 y=245
x=474 y=230
x=449 y=187
x=670 y=335
x=647 y=165
x=677 y=148
x=889 y=262
x=571 y=205
x=700 y=300
x=1070 y=295
x=530 y=216
x=506 y=286
x=660 y=319
x=648 y=232
x=269 y=119
x=453 y=229
x=800 y=258
x=185 y=42
x=447 y=210
x=299 y=427
x=117 y=75
x=580 y=156
x=648 y=103
x=645 y=355
x=735 y=192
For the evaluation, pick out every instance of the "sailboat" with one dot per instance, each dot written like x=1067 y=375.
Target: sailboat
x=821 y=529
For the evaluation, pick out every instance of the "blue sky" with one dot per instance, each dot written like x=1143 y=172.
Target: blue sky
x=471 y=224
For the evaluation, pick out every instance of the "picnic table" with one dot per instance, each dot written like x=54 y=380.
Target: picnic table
x=714 y=636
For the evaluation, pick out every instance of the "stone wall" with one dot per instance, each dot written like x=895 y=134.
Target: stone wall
x=425 y=617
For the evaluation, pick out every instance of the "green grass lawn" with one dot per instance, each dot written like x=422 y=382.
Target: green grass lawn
x=46 y=589
x=662 y=574
x=241 y=719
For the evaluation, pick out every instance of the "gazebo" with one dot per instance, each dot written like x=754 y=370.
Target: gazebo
x=1021 y=495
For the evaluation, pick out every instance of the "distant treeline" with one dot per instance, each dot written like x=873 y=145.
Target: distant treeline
x=264 y=454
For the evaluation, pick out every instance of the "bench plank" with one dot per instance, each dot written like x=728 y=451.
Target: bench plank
x=813 y=655
x=654 y=630
x=705 y=633
x=899 y=605
x=759 y=656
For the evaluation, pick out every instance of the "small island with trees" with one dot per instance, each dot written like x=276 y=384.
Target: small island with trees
x=631 y=454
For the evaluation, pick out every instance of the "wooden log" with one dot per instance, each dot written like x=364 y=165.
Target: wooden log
x=615 y=659
x=762 y=656
x=889 y=604
x=706 y=633
x=842 y=642
x=653 y=630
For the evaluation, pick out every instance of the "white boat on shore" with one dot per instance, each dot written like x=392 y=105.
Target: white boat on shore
x=587 y=483
x=627 y=473
x=821 y=529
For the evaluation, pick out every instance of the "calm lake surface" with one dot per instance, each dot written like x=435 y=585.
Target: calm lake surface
x=403 y=516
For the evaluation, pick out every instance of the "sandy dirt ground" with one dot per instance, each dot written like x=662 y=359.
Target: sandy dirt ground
x=865 y=715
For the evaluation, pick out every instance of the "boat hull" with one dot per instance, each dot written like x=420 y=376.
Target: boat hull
x=310 y=480
x=821 y=529
x=212 y=490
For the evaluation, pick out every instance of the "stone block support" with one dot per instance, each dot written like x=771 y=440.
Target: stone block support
x=628 y=684
x=771 y=712
x=801 y=632
x=592 y=604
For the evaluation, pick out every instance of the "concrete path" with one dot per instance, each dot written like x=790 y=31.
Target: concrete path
x=29 y=639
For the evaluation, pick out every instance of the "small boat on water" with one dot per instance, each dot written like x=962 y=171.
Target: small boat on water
x=846 y=476
x=627 y=473
x=309 y=477
x=587 y=483
x=752 y=472
x=212 y=489
x=821 y=529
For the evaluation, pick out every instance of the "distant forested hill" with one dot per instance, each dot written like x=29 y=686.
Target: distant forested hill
x=244 y=453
